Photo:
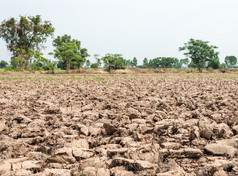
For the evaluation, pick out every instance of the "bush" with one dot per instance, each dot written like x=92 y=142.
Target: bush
x=94 y=65
x=3 y=64
x=50 y=68
x=11 y=68
x=210 y=69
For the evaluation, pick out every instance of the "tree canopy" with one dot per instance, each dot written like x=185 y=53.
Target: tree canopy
x=230 y=61
x=145 y=62
x=114 y=61
x=25 y=36
x=199 y=52
x=3 y=64
x=165 y=62
x=69 y=52
x=134 y=62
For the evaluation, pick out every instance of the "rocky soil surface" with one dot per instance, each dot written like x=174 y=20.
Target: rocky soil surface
x=121 y=125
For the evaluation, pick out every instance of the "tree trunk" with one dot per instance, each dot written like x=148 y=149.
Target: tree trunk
x=68 y=65
x=200 y=69
x=27 y=59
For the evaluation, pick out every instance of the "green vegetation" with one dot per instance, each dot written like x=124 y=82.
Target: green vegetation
x=3 y=64
x=165 y=62
x=26 y=37
x=69 y=52
x=200 y=52
x=114 y=61
x=230 y=61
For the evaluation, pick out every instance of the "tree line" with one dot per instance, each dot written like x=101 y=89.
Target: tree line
x=25 y=38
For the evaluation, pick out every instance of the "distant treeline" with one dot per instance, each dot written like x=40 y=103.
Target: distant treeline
x=25 y=38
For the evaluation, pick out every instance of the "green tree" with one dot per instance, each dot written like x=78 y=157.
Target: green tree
x=40 y=62
x=88 y=63
x=199 y=52
x=134 y=62
x=180 y=63
x=164 y=62
x=97 y=63
x=214 y=63
x=114 y=61
x=184 y=62
x=223 y=65
x=192 y=65
x=98 y=59
x=128 y=63
x=3 y=64
x=230 y=61
x=69 y=51
x=19 y=61
x=94 y=65
x=50 y=67
x=25 y=36
x=145 y=62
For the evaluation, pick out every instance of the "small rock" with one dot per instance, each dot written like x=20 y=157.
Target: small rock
x=119 y=171
x=2 y=125
x=103 y=171
x=220 y=173
x=94 y=131
x=216 y=117
x=80 y=153
x=62 y=155
x=147 y=153
x=220 y=149
x=83 y=129
x=57 y=172
x=31 y=165
x=163 y=124
x=53 y=110
x=192 y=153
x=133 y=113
x=171 y=145
x=22 y=172
x=206 y=133
x=91 y=171
x=5 y=167
x=116 y=152
x=110 y=129
x=132 y=165
x=139 y=121
x=235 y=129
x=161 y=114
x=93 y=162
x=172 y=173
x=79 y=143
x=194 y=133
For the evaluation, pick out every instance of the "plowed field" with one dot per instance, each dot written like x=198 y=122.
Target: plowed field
x=119 y=125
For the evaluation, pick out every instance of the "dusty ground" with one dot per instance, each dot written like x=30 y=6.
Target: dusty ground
x=119 y=125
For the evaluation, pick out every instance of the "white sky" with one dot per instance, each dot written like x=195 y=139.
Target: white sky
x=134 y=28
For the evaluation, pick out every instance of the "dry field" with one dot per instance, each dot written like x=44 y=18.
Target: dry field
x=119 y=125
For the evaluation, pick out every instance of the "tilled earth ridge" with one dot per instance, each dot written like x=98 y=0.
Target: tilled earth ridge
x=122 y=126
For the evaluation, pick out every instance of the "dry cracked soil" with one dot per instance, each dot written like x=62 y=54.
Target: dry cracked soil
x=119 y=125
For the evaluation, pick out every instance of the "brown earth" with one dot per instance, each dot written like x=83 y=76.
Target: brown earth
x=119 y=125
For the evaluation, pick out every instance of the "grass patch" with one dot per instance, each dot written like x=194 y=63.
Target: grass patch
x=14 y=78
x=97 y=78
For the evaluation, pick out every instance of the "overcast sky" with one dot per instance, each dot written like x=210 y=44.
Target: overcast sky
x=134 y=28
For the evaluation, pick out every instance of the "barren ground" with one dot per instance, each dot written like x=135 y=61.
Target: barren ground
x=119 y=125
